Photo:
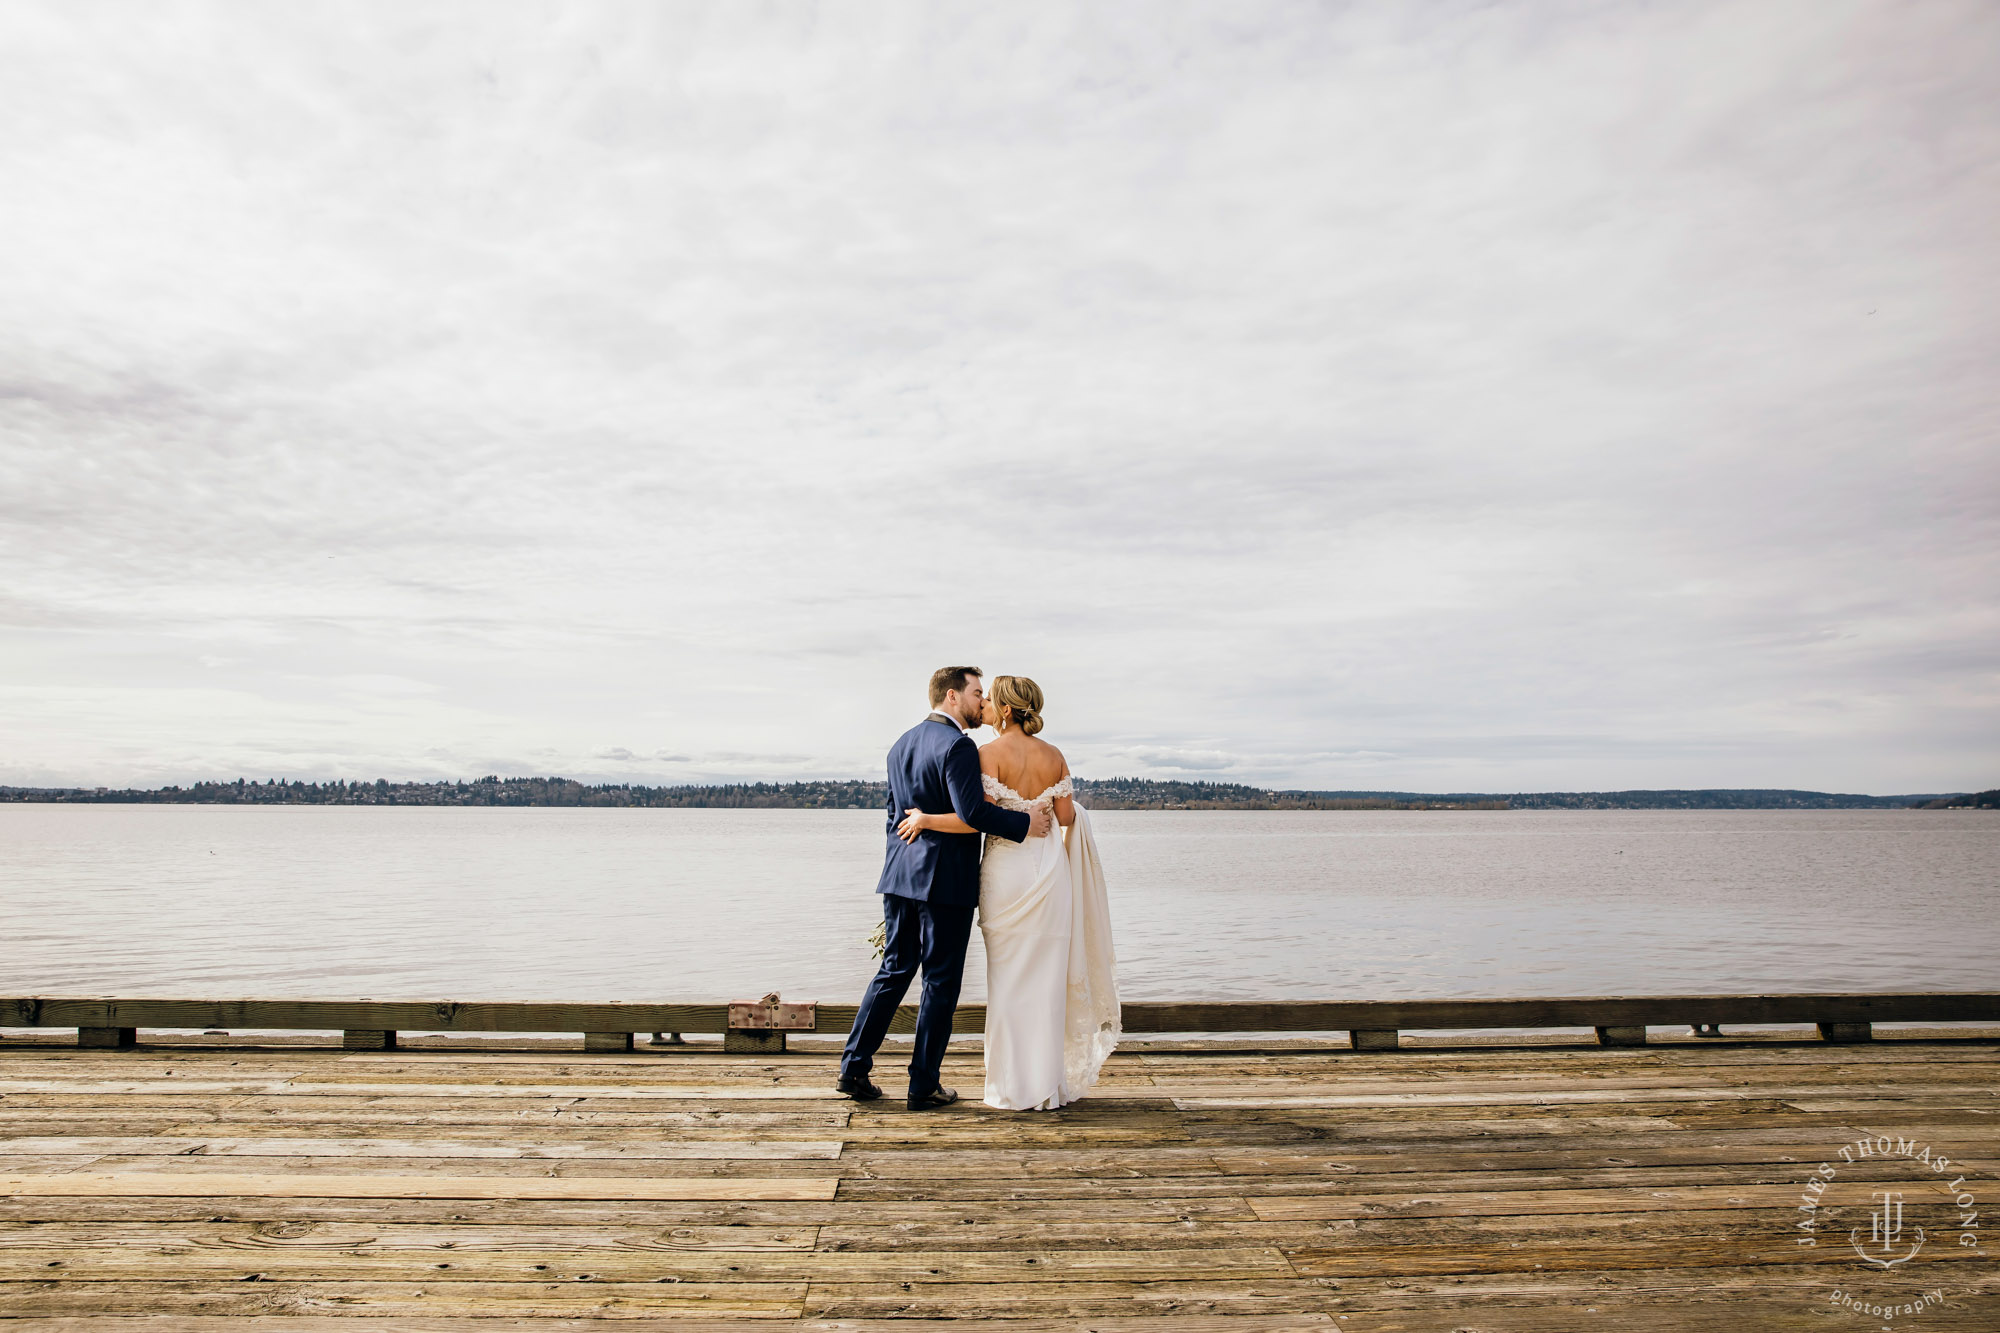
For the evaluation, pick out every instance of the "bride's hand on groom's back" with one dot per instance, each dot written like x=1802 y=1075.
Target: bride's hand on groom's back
x=911 y=825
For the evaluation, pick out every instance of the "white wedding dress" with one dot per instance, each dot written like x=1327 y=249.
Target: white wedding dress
x=1051 y=976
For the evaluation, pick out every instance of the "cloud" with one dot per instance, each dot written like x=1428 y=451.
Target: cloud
x=1159 y=759
x=1325 y=395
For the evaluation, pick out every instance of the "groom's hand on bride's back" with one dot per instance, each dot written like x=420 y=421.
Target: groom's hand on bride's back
x=1039 y=821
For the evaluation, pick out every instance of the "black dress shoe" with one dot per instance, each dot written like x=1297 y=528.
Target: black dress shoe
x=933 y=1099
x=858 y=1087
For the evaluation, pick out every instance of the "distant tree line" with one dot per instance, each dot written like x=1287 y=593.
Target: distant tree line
x=1978 y=800
x=490 y=790
x=1159 y=794
x=1098 y=793
x=1720 y=798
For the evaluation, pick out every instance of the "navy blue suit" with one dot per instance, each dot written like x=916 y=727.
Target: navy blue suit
x=929 y=890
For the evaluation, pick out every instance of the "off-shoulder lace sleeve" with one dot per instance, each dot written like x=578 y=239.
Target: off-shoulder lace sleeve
x=1007 y=798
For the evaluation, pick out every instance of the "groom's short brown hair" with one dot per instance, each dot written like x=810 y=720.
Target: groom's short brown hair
x=946 y=679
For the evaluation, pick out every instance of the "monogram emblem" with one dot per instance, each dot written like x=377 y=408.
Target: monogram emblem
x=1885 y=1229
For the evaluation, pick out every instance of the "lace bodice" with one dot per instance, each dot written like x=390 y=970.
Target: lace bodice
x=1007 y=798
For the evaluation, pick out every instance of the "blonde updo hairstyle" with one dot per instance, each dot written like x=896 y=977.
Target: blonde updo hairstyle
x=1019 y=701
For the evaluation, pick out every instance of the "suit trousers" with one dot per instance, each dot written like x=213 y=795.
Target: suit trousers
x=930 y=936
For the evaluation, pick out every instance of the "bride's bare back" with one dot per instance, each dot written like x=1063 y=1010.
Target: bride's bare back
x=1028 y=766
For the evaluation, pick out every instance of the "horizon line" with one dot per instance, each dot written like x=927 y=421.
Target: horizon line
x=105 y=789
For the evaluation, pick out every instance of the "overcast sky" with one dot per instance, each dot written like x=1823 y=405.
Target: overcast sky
x=1489 y=397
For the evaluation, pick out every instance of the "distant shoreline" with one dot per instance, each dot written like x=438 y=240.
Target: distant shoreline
x=1098 y=793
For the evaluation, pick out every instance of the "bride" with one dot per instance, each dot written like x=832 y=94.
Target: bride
x=1051 y=992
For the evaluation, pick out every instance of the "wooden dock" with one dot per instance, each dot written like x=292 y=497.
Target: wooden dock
x=1223 y=1188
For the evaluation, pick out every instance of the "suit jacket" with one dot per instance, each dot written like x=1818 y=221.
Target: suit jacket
x=934 y=768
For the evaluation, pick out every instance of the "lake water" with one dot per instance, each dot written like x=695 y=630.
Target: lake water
x=577 y=904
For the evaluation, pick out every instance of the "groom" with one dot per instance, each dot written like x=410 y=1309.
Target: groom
x=930 y=887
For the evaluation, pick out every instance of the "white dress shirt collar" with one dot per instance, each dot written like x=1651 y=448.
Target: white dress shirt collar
x=949 y=718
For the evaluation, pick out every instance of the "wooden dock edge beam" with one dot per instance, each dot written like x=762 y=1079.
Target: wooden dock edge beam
x=760 y=1027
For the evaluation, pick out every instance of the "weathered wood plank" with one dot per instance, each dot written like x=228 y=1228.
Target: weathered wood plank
x=1740 y=1250
x=1248 y=1126
x=364 y=1323
x=1937 y=1105
x=1690 y=1312
x=525 y=1124
x=1279 y=1098
x=686 y=1092
x=577 y=1300
x=1474 y=1203
x=1617 y=1291
x=497 y=1169
x=618 y=1129
x=614 y=1213
x=317 y=1186
x=429 y=1110
x=1500 y=1140
x=614 y=1264
x=517 y=1148
x=1011 y=1162
x=1698 y=1298
x=1294 y=1237
x=1755 y=1227
x=1339 y=1184
x=1610 y=1152
x=1076 y=1300
x=445 y=1239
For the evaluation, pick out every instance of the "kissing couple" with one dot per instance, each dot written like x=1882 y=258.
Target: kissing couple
x=1052 y=1012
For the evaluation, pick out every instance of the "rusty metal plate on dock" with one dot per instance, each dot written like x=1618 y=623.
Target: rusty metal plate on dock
x=755 y=1016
